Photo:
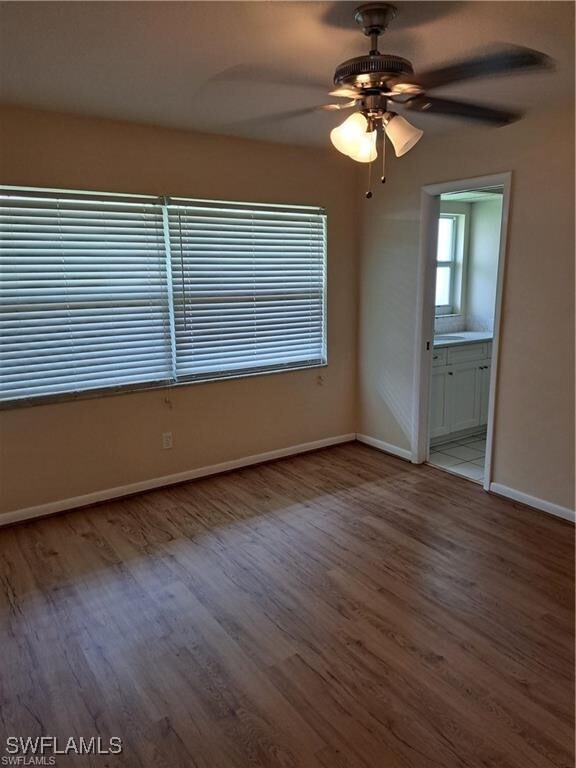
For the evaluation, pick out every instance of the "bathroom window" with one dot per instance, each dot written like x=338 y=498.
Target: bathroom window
x=449 y=264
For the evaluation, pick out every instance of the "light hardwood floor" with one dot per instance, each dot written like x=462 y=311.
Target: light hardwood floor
x=341 y=609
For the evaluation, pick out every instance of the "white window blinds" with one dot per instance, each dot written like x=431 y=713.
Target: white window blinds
x=83 y=293
x=111 y=291
x=248 y=287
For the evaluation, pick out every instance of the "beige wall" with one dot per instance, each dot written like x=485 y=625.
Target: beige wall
x=483 y=257
x=53 y=452
x=58 y=451
x=535 y=408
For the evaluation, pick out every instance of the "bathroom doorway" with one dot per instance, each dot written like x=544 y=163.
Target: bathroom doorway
x=463 y=235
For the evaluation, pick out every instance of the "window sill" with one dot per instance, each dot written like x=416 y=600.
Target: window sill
x=92 y=394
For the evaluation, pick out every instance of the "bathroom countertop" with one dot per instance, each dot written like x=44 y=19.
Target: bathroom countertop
x=461 y=337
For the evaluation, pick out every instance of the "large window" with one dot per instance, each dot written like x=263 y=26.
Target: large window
x=110 y=291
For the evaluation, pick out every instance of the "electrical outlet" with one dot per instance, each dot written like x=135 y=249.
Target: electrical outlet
x=166 y=440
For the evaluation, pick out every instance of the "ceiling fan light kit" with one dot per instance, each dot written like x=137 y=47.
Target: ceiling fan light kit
x=365 y=150
x=354 y=139
x=373 y=82
x=402 y=134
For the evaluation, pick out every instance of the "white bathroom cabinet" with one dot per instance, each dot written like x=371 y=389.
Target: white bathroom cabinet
x=460 y=388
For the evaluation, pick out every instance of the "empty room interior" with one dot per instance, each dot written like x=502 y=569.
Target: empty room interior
x=287 y=384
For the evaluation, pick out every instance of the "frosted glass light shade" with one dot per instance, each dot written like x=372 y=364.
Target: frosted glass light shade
x=365 y=151
x=347 y=136
x=402 y=134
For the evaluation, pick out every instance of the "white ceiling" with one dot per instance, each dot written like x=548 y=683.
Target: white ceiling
x=189 y=64
x=473 y=196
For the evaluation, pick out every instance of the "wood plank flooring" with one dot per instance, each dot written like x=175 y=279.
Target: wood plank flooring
x=342 y=609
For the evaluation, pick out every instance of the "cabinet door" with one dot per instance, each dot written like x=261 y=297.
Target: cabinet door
x=463 y=396
x=484 y=387
x=439 y=403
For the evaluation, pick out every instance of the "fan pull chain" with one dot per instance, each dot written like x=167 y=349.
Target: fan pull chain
x=369 y=192
x=383 y=177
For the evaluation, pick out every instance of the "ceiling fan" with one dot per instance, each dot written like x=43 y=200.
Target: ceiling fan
x=375 y=83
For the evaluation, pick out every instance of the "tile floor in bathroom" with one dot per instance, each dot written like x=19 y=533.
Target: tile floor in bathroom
x=462 y=457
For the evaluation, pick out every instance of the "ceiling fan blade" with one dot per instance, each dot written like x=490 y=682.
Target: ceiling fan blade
x=246 y=73
x=501 y=62
x=280 y=116
x=336 y=107
x=463 y=109
x=346 y=93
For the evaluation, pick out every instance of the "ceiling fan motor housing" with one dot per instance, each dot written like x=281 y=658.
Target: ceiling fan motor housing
x=375 y=70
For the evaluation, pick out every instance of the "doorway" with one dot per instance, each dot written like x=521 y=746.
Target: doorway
x=460 y=290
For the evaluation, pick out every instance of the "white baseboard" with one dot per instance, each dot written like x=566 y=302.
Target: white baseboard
x=401 y=453
x=109 y=494
x=533 y=501
x=62 y=505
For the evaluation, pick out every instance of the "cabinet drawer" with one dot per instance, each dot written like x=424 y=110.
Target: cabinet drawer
x=465 y=352
x=438 y=357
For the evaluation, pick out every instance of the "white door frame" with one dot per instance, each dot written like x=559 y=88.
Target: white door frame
x=430 y=210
